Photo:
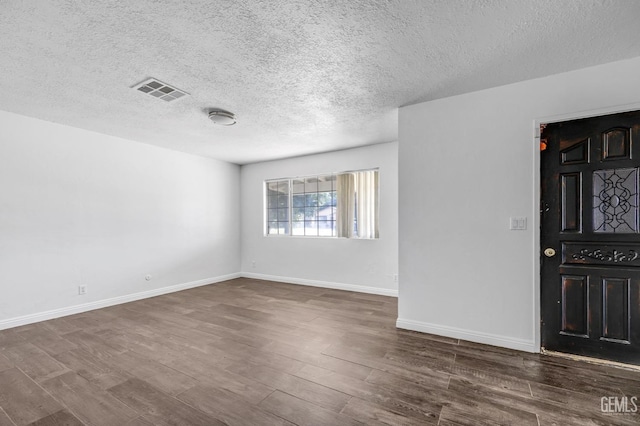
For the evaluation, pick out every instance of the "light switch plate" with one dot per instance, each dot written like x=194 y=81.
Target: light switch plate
x=517 y=223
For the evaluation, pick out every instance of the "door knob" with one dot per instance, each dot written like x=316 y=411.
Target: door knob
x=549 y=252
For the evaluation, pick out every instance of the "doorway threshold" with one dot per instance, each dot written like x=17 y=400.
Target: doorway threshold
x=591 y=360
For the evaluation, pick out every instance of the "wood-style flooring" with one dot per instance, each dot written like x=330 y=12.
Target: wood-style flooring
x=249 y=352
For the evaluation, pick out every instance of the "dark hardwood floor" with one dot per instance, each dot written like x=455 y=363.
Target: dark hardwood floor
x=248 y=352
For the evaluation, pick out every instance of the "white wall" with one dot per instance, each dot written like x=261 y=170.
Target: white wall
x=82 y=208
x=352 y=264
x=466 y=164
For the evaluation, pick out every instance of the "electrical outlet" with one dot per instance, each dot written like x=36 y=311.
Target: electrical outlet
x=82 y=290
x=253 y=264
x=147 y=277
x=395 y=278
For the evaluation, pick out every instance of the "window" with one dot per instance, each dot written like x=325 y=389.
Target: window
x=332 y=205
x=313 y=201
x=278 y=207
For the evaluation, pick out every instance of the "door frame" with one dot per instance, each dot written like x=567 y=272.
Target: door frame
x=535 y=214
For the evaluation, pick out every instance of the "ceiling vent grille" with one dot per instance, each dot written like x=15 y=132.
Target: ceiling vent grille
x=160 y=90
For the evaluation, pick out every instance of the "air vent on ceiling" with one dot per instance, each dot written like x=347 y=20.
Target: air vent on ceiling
x=159 y=90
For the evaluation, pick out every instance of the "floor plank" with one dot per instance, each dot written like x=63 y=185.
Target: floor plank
x=4 y=419
x=21 y=351
x=41 y=367
x=371 y=413
x=485 y=404
x=5 y=364
x=420 y=407
x=60 y=418
x=158 y=407
x=140 y=421
x=53 y=344
x=301 y=412
x=23 y=400
x=91 y=368
x=158 y=375
x=292 y=385
x=229 y=407
x=209 y=374
x=307 y=356
x=89 y=403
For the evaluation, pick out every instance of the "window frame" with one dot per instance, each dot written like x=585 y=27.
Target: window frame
x=290 y=207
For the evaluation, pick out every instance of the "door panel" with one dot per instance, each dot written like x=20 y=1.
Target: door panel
x=616 y=144
x=575 y=152
x=590 y=280
x=575 y=301
x=571 y=202
x=615 y=309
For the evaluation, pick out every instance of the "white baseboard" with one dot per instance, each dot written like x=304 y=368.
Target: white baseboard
x=323 y=284
x=470 y=335
x=98 y=304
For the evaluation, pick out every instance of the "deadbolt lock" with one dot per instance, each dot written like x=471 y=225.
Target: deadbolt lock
x=549 y=252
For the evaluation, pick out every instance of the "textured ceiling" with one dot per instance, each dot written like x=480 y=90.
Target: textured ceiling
x=302 y=76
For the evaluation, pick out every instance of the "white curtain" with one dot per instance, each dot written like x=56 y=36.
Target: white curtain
x=345 y=194
x=357 y=195
x=367 y=203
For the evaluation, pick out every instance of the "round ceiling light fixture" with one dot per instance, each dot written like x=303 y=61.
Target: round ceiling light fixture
x=221 y=117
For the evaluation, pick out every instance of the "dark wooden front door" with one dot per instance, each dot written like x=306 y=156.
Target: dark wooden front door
x=590 y=240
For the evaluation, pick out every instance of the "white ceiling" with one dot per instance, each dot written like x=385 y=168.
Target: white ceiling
x=302 y=76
